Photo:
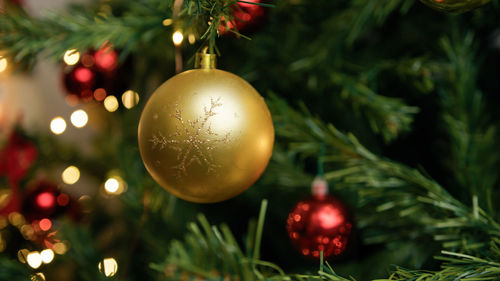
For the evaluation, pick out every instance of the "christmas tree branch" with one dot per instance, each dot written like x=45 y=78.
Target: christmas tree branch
x=387 y=116
x=473 y=140
x=403 y=197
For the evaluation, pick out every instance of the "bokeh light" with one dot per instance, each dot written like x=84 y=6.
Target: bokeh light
x=111 y=103
x=45 y=224
x=47 y=255
x=58 y=125
x=108 y=267
x=100 y=94
x=34 y=259
x=177 y=38
x=79 y=118
x=167 y=22
x=38 y=276
x=60 y=248
x=22 y=255
x=70 y=175
x=3 y=64
x=130 y=99
x=45 y=200
x=71 y=57
x=191 y=39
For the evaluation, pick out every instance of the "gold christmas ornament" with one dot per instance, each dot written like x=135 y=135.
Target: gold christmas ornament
x=454 y=6
x=206 y=135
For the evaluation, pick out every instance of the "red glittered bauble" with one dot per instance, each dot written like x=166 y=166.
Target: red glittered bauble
x=246 y=16
x=320 y=223
x=93 y=75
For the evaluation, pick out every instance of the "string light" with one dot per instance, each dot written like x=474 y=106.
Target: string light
x=111 y=103
x=34 y=259
x=70 y=175
x=3 y=64
x=115 y=185
x=47 y=255
x=71 y=57
x=177 y=38
x=22 y=255
x=79 y=118
x=58 y=125
x=108 y=267
x=45 y=225
x=130 y=99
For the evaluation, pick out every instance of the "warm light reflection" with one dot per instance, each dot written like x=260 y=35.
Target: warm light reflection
x=70 y=175
x=3 y=64
x=177 y=38
x=34 y=259
x=47 y=255
x=108 y=267
x=79 y=118
x=167 y=22
x=111 y=103
x=191 y=39
x=130 y=99
x=71 y=57
x=58 y=125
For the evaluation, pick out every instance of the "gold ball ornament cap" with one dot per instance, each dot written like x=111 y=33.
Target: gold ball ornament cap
x=206 y=135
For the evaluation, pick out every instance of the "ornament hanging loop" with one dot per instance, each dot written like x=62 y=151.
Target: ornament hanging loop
x=203 y=60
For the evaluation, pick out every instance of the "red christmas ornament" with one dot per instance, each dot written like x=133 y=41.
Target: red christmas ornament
x=320 y=223
x=45 y=201
x=16 y=158
x=246 y=16
x=95 y=76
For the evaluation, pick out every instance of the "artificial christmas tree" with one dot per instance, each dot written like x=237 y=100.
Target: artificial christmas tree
x=395 y=100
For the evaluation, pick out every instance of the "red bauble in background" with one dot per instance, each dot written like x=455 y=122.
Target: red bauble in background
x=246 y=16
x=94 y=76
x=44 y=200
x=320 y=223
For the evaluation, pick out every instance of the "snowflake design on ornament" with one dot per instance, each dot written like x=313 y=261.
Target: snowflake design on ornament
x=187 y=140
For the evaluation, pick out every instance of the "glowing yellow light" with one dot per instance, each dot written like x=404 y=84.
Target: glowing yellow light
x=47 y=255
x=60 y=248
x=177 y=38
x=34 y=259
x=130 y=99
x=58 y=125
x=79 y=118
x=70 y=175
x=108 y=267
x=3 y=64
x=71 y=57
x=111 y=103
x=167 y=22
x=191 y=39
x=27 y=231
x=111 y=185
x=38 y=276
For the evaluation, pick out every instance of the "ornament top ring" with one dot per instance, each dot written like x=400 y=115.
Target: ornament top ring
x=206 y=135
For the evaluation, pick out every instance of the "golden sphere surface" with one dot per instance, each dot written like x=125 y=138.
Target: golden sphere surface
x=206 y=135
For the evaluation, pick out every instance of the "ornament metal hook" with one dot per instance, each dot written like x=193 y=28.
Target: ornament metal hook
x=203 y=60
